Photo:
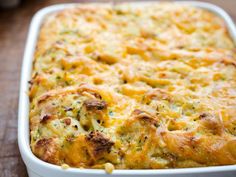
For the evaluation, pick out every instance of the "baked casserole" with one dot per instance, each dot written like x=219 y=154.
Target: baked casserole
x=134 y=87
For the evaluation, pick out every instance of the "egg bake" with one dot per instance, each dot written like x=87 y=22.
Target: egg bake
x=134 y=87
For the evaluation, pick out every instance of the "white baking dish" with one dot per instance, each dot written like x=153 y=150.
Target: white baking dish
x=39 y=168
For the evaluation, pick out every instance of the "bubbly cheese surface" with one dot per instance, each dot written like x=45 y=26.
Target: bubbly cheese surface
x=134 y=87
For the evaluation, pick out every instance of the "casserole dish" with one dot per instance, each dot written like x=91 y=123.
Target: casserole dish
x=34 y=165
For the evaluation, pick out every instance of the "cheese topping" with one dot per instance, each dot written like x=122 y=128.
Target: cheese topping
x=134 y=87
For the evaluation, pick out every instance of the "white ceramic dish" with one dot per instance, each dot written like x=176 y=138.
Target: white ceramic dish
x=39 y=168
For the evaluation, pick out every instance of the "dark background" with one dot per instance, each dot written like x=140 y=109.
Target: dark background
x=14 y=25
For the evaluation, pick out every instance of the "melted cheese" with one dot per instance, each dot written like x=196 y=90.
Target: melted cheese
x=132 y=87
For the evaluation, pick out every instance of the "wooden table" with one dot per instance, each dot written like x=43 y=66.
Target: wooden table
x=14 y=25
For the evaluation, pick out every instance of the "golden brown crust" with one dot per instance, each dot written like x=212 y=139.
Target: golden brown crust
x=46 y=149
x=144 y=116
x=99 y=144
x=93 y=104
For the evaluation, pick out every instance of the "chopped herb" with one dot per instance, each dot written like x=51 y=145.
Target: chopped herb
x=70 y=32
x=58 y=77
x=139 y=148
x=111 y=113
x=78 y=113
x=67 y=82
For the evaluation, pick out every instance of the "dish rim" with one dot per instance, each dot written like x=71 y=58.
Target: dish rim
x=37 y=164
